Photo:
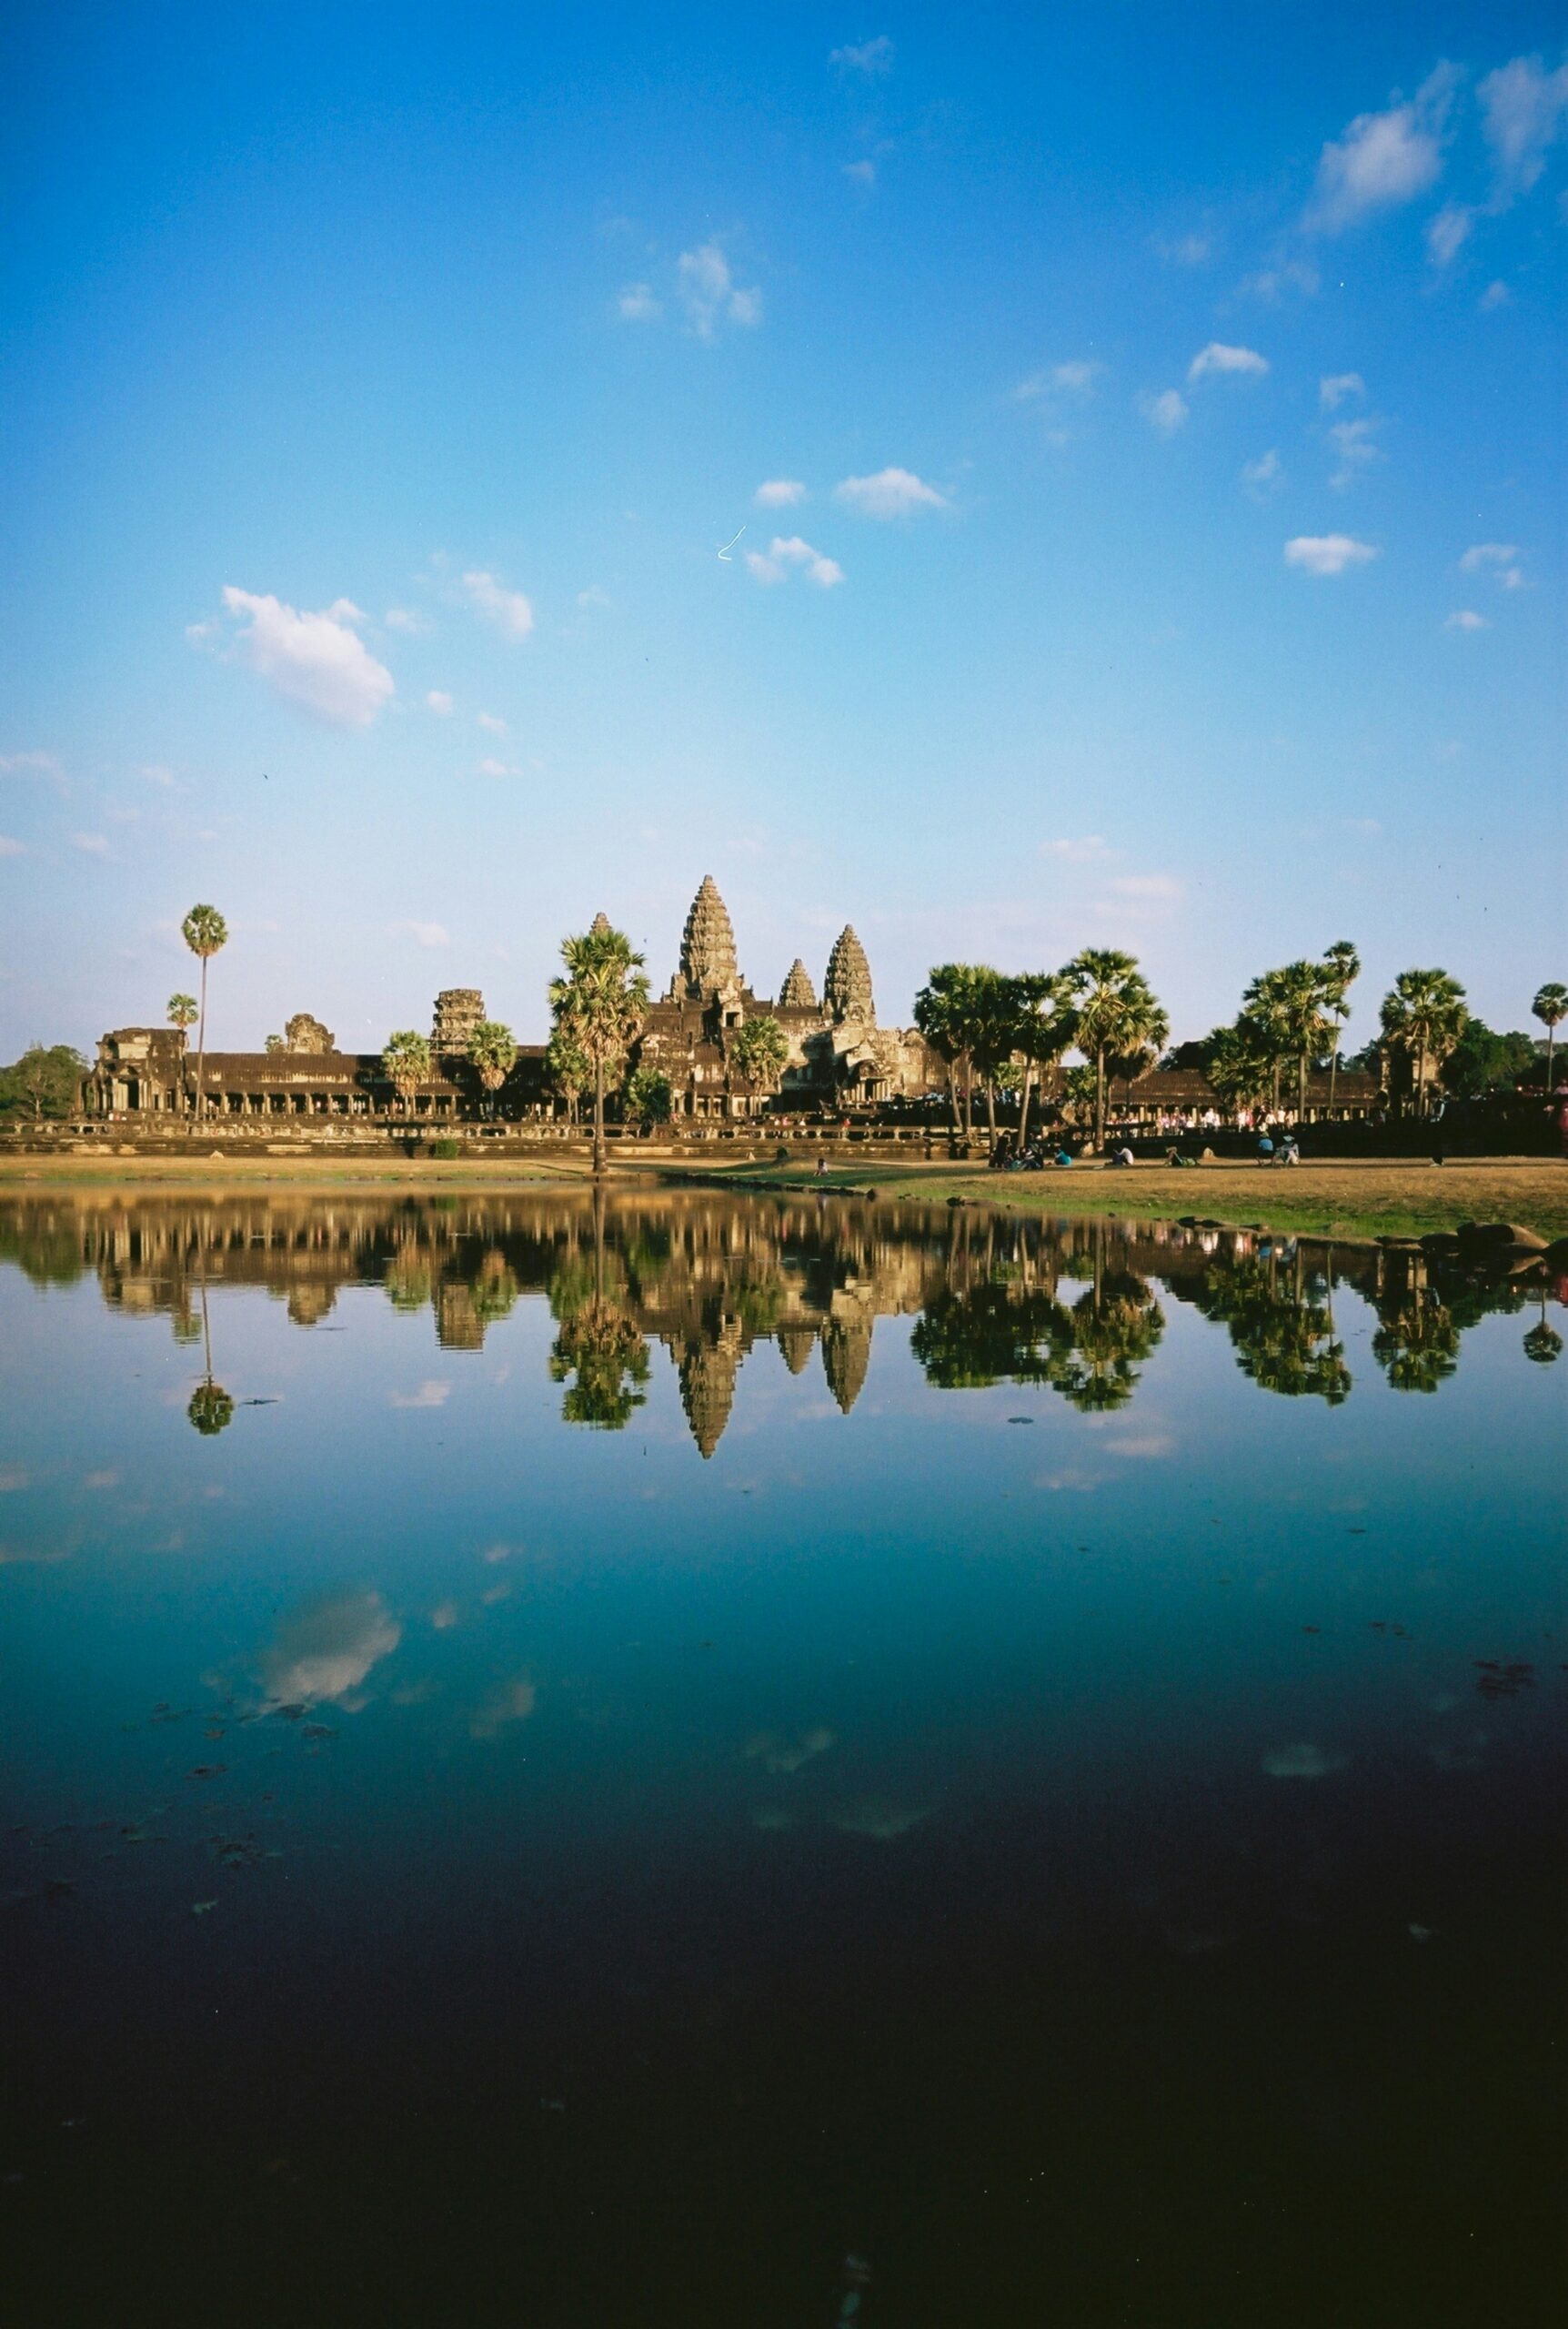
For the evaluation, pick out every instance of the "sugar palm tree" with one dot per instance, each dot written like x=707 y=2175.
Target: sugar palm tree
x=211 y=1409
x=206 y=934
x=1241 y=1064
x=492 y=1054
x=945 y=1016
x=1291 y=1006
x=601 y=1006
x=405 y=1063
x=995 y=1007
x=761 y=1051
x=1551 y=1006
x=182 y=1014
x=1341 y=968
x=1118 y=1017
x=1045 y=1025
x=1424 y=1012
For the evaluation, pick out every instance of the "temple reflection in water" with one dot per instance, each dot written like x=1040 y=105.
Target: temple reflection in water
x=1072 y=1304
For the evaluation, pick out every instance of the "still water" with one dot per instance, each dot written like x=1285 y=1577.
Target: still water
x=774 y=1763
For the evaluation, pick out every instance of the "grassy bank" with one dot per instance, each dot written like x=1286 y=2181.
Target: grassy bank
x=1397 y=1197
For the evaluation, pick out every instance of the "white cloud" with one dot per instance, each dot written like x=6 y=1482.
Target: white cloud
x=1335 y=387
x=408 y=620
x=1498 y=559
x=490 y=723
x=862 y=173
x=325 y=1650
x=1076 y=378
x=709 y=293
x=156 y=774
x=23 y=763
x=779 y=493
x=315 y=661
x=90 y=844
x=509 y=611
x=1186 y=250
x=1522 y=109
x=1327 y=553
x=1263 y=476
x=1467 y=619
x=870 y=56
x=1496 y=295
x=637 y=304
x=892 y=493
x=1383 y=158
x=440 y=702
x=9 y=848
x=1218 y=357
x=593 y=597
x=424 y=934
x=1081 y=850
x=1166 y=412
x=1448 y=232
x=1271 y=283
x=782 y=554
x=1353 y=441
x=1156 y=888
x=489 y=767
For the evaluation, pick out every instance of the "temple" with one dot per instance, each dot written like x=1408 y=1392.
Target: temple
x=837 y=1054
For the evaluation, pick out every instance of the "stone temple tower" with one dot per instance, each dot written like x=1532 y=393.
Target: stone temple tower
x=798 y=993
x=707 y=964
x=847 y=989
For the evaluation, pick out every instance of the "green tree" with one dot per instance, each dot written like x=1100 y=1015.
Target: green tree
x=1342 y=967
x=601 y=1006
x=945 y=1013
x=275 y=1045
x=1424 y=1013
x=1119 y=1018
x=1482 y=1060
x=760 y=1050
x=47 y=1079
x=992 y=1333
x=1283 y=1336
x=405 y=1063
x=566 y=1066
x=650 y=1097
x=996 y=1005
x=1241 y=1064
x=206 y=934
x=182 y=1013
x=1417 y=1343
x=492 y=1054
x=1551 y=1007
x=1291 y=1006
x=1044 y=1027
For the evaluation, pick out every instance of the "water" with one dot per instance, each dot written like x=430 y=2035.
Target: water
x=767 y=1763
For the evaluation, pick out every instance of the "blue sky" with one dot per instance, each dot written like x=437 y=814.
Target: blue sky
x=1145 y=424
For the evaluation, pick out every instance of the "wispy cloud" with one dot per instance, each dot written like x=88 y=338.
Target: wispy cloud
x=509 y=611
x=593 y=596
x=871 y=57
x=1272 y=282
x=440 y=702
x=861 y=173
x=1448 y=232
x=1382 y=159
x=1150 y=889
x=154 y=773
x=490 y=767
x=783 y=554
x=424 y=934
x=408 y=620
x=27 y=763
x=636 y=304
x=1496 y=295
x=428 y=1394
x=1499 y=559
x=1356 y=450
x=1327 y=554
x=1336 y=388
x=1080 y=850
x=318 y=661
x=779 y=493
x=1166 y=412
x=1184 y=250
x=1523 y=109
x=709 y=293
x=491 y=723
x=1466 y=618
x=890 y=493
x=9 y=848
x=1219 y=358
x=1264 y=476
x=90 y=844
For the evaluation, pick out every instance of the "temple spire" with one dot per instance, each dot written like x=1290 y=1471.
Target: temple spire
x=847 y=990
x=708 y=943
x=798 y=993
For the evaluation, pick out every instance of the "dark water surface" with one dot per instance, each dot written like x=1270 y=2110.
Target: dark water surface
x=774 y=1763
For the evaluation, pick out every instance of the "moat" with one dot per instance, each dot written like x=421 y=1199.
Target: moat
x=687 y=1760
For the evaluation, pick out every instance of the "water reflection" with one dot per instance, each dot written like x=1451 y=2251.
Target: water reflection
x=1070 y=1306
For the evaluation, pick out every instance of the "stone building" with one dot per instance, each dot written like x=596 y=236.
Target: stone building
x=838 y=1054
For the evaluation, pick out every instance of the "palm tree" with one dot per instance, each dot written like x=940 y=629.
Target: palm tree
x=492 y=1054
x=182 y=1014
x=566 y=1066
x=1424 y=1012
x=1289 y=1005
x=1241 y=1064
x=1118 y=1017
x=211 y=1409
x=405 y=1063
x=1045 y=1025
x=206 y=932
x=1550 y=1007
x=761 y=1051
x=945 y=1013
x=601 y=1006
x=1342 y=967
x=648 y=1098
x=995 y=1008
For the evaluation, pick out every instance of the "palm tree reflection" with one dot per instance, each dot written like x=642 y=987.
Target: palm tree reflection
x=599 y=1351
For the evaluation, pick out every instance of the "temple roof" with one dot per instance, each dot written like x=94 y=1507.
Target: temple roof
x=847 y=989
x=798 y=993
x=707 y=942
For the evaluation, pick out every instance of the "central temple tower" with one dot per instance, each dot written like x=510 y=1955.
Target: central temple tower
x=708 y=964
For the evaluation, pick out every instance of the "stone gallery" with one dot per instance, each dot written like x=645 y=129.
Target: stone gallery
x=838 y=1054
